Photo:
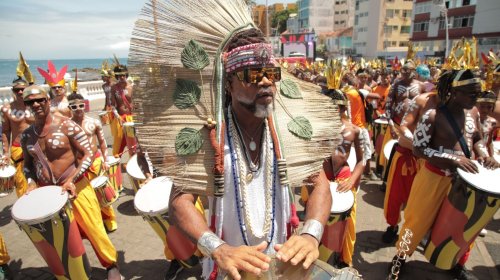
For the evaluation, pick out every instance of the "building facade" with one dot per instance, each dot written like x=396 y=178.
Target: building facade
x=261 y=17
x=466 y=18
x=343 y=14
x=382 y=27
x=322 y=16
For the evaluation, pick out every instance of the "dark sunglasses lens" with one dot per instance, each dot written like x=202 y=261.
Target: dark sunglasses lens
x=255 y=75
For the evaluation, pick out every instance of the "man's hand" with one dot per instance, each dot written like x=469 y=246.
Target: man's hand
x=488 y=162
x=31 y=186
x=298 y=248
x=394 y=132
x=105 y=165
x=71 y=188
x=242 y=258
x=466 y=164
x=344 y=185
x=4 y=161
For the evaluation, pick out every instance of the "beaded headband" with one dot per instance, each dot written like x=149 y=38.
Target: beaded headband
x=249 y=55
x=457 y=83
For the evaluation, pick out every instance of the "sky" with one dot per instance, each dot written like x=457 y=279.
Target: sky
x=69 y=29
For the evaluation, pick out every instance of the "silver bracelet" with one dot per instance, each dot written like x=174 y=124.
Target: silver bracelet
x=313 y=228
x=208 y=242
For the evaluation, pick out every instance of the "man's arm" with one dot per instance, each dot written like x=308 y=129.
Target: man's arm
x=409 y=122
x=189 y=220
x=103 y=146
x=80 y=144
x=480 y=149
x=29 y=166
x=391 y=97
x=5 y=131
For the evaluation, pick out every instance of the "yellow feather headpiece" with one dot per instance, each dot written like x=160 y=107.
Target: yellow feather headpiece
x=334 y=73
x=463 y=56
x=74 y=83
x=23 y=70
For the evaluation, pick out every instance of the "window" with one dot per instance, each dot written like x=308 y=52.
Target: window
x=465 y=2
x=406 y=13
x=405 y=29
x=421 y=26
x=463 y=21
x=422 y=8
x=389 y=13
x=403 y=44
x=336 y=22
x=355 y=20
x=388 y=29
x=337 y=12
x=342 y=22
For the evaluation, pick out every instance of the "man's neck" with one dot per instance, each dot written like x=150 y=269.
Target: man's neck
x=245 y=118
x=455 y=109
x=44 y=121
x=78 y=119
x=18 y=102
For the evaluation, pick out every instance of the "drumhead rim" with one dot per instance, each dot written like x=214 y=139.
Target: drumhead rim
x=111 y=160
x=145 y=188
x=464 y=175
x=349 y=194
x=9 y=169
x=135 y=174
x=20 y=203
x=98 y=179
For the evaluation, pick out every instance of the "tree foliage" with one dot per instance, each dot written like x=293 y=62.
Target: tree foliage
x=278 y=19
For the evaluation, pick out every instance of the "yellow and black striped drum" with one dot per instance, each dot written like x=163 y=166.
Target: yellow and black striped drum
x=115 y=173
x=471 y=203
x=318 y=270
x=137 y=177
x=378 y=133
x=130 y=137
x=104 y=191
x=333 y=235
x=46 y=217
x=7 y=178
x=151 y=202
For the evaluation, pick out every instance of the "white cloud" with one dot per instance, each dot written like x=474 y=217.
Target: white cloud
x=120 y=45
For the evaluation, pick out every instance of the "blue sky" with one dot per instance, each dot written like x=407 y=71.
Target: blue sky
x=56 y=29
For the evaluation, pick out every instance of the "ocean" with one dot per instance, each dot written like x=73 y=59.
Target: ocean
x=8 y=68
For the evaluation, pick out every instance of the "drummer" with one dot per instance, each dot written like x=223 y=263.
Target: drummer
x=57 y=84
x=94 y=131
x=457 y=92
x=50 y=146
x=16 y=117
x=121 y=100
x=337 y=169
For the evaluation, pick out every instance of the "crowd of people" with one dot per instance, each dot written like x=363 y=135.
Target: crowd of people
x=50 y=140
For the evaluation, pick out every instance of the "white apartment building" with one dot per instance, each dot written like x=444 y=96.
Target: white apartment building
x=382 y=27
x=325 y=15
x=343 y=15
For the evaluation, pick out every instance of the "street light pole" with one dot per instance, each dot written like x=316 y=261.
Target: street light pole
x=446 y=29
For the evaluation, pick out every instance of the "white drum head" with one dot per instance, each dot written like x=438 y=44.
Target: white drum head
x=7 y=172
x=111 y=160
x=101 y=113
x=128 y=124
x=497 y=158
x=153 y=197
x=381 y=121
x=341 y=202
x=134 y=170
x=388 y=148
x=98 y=182
x=351 y=160
x=39 y=205
x=485 y=180
x=496 y=147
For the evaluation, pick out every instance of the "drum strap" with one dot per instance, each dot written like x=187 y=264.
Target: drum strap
x=456 y=129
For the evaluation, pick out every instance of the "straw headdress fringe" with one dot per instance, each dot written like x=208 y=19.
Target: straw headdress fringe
x=176 y=52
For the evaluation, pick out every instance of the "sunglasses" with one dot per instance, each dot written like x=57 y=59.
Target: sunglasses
x=75 y=107
x=255 y=75
x=32 y=101
x=17 y=89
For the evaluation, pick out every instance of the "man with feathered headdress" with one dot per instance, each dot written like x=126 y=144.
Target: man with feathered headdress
x=57 y=84
x=16 y=117
x=221 y=128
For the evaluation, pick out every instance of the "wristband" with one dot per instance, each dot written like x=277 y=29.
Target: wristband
x=313 y=228
x=208 y=242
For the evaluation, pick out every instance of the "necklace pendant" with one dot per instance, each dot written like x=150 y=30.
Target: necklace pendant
x=249 y=177
x=252 y=146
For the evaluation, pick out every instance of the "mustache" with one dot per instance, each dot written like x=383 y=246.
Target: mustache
x=264 y=92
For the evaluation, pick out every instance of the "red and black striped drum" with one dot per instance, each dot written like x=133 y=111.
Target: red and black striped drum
x=46 y=217
x=471 y=204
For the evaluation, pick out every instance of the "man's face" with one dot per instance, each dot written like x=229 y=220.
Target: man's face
x=256 y=93
x=121 y=78
x=407 y=73
x=77 y=107
x=385 y=79
x=466 y=96
x=362 y=78
x=39 y=105
x=18 y=90
x=485 y=108
x=58 y=90
x=105 y=79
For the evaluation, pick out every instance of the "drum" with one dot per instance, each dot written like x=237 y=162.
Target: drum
x=389 y=146
x=46 y=217
x=104 y=191
x=137 y=177
x=496 y=147
x=317 y=271
x=115 y=173
x=379 y=132
x=151 y=202
x=7 y=178
x=129 y=134
x=333 y=236
x=104 y=117
x=471 y=203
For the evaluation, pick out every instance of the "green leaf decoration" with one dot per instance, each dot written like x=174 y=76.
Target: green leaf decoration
x=188 y=141
x=194 y=57
x=186 y=93
x=290 y=89
x=301 y=127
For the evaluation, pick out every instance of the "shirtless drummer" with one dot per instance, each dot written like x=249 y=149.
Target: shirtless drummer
x=49 y=146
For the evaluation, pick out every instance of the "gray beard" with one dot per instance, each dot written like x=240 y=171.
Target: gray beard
x=260 y=111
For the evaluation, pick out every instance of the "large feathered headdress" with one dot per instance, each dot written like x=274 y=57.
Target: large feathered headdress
x=177 y=51
x=463 y=56
x=52 y=77
x=23 y=70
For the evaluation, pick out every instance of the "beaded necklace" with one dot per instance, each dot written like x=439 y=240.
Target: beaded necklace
x=240 y=183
